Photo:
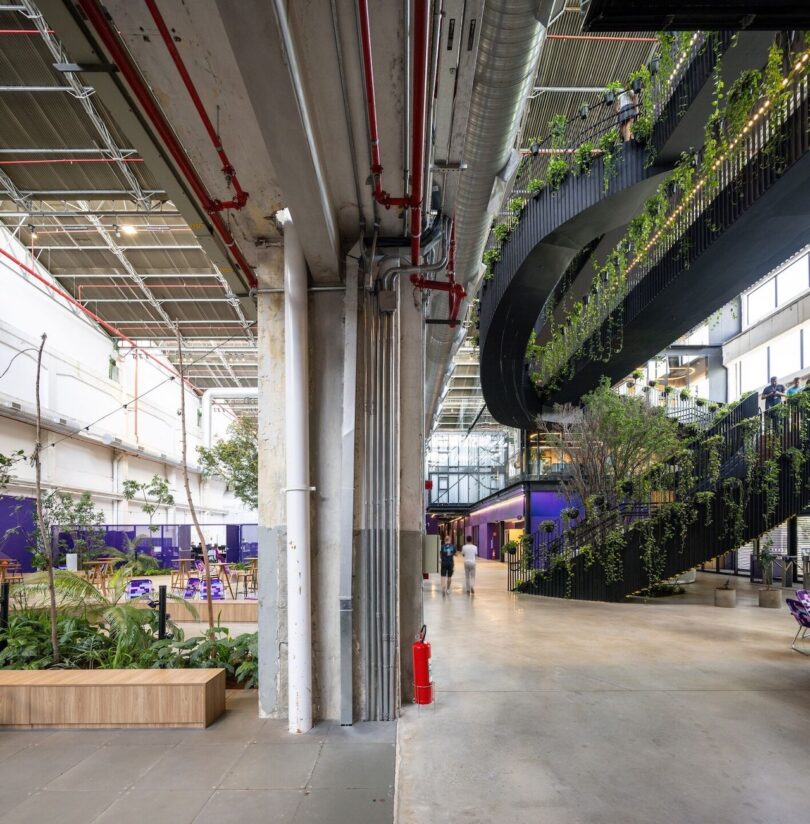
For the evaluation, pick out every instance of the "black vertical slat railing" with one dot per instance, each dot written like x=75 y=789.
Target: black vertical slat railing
x=747 y=444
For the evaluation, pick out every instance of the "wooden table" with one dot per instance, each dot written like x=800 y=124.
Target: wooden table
x=98 y=572
x=181 y=575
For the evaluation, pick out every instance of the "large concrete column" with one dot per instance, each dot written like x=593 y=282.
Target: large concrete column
x=411 y=475
x=272 y=533
x=326 y=349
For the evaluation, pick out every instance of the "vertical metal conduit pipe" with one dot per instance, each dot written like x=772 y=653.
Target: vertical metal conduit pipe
x=296 y=384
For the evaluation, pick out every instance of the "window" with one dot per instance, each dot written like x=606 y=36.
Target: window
x=786 y=354
x=791 y=281
x=762 y=301
x=754 y=369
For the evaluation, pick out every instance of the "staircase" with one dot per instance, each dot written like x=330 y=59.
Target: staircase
x=763 y=479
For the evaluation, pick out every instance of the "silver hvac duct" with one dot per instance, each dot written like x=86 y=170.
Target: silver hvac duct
x=512 y=34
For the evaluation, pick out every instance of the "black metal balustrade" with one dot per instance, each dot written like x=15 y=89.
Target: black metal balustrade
x=740 y=496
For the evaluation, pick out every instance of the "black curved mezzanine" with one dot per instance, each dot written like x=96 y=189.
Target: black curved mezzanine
x=556 y=226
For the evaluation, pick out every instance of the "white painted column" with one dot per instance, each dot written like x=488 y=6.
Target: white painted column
x=299 y=622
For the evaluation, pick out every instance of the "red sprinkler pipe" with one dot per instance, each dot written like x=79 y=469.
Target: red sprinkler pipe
x=420 y=91
x=98 y=19
x=240 y=196
x=378 y=193
x=455 y=291
x=100 y=321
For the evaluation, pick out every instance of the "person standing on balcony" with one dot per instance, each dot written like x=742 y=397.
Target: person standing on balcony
x=627 y=109
x=773 y=393
x=794 y=388
x=469 y=552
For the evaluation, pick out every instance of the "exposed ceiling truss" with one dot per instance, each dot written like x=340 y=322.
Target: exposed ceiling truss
x=85 y=203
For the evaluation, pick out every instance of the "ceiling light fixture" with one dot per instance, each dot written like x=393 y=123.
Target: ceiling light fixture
x=130 y=230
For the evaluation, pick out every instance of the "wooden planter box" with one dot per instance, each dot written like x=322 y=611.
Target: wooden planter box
x=111 y=698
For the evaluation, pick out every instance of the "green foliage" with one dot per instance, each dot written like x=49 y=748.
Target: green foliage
x=583 y=158
x=609 y=145
x=236 y=460
x=501 y=232
x=535 y=185
x=80 y=528
x=556 y=172
x=516 y=205
x=153 y=493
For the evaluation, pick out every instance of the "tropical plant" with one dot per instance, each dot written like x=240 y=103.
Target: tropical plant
x=556 y=172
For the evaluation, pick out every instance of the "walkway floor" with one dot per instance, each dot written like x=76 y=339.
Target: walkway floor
x=241 y=769
x=578 y=713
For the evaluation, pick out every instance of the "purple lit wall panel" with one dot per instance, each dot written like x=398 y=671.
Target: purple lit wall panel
x=17 y=517
x=510 y=509
x=545 y=506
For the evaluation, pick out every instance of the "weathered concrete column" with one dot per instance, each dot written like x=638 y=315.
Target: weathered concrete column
x=272 y=533
x=411 y=475
x=326 y=348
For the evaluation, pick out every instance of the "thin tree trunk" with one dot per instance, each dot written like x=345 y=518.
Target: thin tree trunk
x=43 y=532
x=193 y=511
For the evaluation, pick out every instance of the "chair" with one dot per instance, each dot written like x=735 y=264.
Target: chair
x=803 y=597
x=217 y=590
x=192 y=587
x=802 y=616
x=139 y=588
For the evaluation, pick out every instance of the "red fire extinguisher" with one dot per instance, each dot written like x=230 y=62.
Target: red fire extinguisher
x=422 y=681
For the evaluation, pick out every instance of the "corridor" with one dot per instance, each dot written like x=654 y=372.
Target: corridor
x=591 y=713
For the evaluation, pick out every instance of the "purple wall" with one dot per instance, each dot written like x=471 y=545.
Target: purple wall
x=17 y=516
x=545 y=505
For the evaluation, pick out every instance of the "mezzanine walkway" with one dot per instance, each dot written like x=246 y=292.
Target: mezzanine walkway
x=565 y=712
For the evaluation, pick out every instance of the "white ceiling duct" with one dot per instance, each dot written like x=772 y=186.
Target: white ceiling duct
x=512 y=34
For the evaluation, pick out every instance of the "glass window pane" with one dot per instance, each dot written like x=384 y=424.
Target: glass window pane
x=762 y=301
x=786 y=354
x=792 y=281
x=754 y=369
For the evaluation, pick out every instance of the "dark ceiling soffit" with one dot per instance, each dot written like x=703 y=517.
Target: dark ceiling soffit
x=688 y=15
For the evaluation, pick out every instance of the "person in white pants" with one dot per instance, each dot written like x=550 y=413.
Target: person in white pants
x=469 y=552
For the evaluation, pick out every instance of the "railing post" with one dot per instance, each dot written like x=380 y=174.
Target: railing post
x=4 y=599
x=162 y=611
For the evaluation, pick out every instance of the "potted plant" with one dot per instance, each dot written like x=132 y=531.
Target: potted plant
x=685 y=396
x=548 y=526
x=635 y=84
x=570 y=512
x=769 y=596
x=700 y=402
x=638 y=374
x=668 y=389
x=652 y=384
x=611 y=90
x=726 y=595
x=509 y=548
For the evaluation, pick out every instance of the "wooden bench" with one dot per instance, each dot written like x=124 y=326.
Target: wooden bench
x=111 y=698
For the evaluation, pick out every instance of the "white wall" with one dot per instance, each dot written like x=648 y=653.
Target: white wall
x=76 y=391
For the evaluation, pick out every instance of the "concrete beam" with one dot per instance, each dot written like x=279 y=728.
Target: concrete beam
x=268 y=62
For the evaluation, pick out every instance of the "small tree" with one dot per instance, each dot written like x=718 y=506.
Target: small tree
x=79 y=520
x=611 y=440
x=154 y=494
x=236 y=460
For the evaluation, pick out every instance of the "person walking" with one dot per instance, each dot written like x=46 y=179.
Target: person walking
x=447 y=555
x=469 y=552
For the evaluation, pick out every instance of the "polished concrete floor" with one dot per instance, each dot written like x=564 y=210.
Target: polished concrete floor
x=241 y=769
x=671 y=711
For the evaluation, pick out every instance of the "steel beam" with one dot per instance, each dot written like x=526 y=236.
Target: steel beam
x=63 y=16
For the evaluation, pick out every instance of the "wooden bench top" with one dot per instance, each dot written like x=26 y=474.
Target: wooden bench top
x=107 y=677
